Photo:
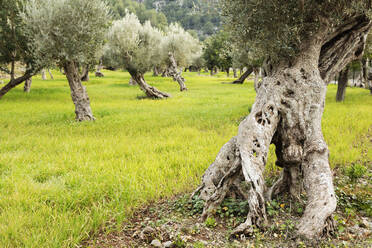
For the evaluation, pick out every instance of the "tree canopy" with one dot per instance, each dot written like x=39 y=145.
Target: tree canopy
x=56 y=40
x=278 y=28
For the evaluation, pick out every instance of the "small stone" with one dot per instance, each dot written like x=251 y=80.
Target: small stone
x=156 y=243
x=168 y=244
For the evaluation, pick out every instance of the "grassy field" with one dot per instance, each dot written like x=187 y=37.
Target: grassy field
x=61 y=180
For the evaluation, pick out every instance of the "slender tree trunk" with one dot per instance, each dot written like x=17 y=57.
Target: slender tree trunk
x=156 y=71
x=364 y=66
x=228 y=72
x=342 y=84
x=211 y=72
x=235 y=71
x=50 y=74
x=27 y=87
x=85 y=73
x=150 y=91
x=369 y=79
x=244 y=76
x=98 y=72
x=256 y=78
x=12 y=71
x=13 y=83
x=174 y=73
x=43 y=75
x=79 y=94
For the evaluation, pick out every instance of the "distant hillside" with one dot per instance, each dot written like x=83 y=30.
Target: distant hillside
x=201 y=16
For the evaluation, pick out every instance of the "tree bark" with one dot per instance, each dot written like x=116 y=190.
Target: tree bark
x=235 y=71
x=13 y=83
x=27 y=86
x=342 y=84
x=244 y=76
x=227 y=72
x=174 y=73
x=287 y=112
x=150 y=91
x=79 y=94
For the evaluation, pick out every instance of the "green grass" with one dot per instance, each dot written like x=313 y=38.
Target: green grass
x=60 y=180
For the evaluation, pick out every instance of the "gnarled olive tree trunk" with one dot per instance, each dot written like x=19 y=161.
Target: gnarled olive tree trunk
x=342 y=84
x=174 y=73
x=150 y=91
x=79 y=94
x=27 y=86
x=244 y=76
x=287 y=112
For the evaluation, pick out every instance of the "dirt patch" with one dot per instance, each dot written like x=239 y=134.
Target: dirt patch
x=177 y=223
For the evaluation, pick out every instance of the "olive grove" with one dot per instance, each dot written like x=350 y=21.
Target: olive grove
x=305 y=43
x=71 y=38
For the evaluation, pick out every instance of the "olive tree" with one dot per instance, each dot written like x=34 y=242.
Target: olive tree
x=69 y=33
x=181 y=49
x=15 y=45
x=305 y=44
x=135 y=47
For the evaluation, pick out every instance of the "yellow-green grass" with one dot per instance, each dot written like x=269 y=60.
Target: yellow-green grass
x=60 y=180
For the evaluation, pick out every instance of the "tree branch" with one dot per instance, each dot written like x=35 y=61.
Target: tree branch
x=342 y=46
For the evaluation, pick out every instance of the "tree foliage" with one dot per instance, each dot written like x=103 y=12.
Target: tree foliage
x=185 y=48
x=276 y=29
x=133 y=45
x=218 y=51
x=14 y=41
x=119 y=7
x=67 y=30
